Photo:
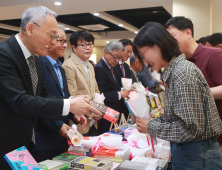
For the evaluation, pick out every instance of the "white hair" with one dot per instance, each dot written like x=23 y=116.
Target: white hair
x=114 y=45
x=61 y=27
x=35 y=14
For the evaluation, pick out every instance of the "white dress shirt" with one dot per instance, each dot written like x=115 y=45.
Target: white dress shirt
x=27 y=54
x=119 y=95
x=85 y=65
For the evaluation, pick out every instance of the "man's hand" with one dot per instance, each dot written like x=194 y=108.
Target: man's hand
x=96 y=117
x=160 y=82
x=81 y=106
x=81 y=120
x=124 y=93
x=64 y=130
x=141 y=124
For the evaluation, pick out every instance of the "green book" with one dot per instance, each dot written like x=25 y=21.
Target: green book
x=65 y=158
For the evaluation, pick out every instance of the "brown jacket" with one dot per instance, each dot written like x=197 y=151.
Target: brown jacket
x=79 y=84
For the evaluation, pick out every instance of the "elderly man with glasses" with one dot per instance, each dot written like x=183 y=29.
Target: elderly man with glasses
x=22 y=86
x=108 y=82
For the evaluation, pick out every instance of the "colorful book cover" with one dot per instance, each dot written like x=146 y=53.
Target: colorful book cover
x=67 y=157
x=21 y=159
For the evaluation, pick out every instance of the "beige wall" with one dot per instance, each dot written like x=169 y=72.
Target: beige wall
x=199 y=11
x=216 y=14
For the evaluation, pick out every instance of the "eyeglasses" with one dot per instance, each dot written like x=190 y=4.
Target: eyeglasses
x=62 y=42
x=128 y=52
x=85 y=45
x=115 y=58
x=52 y=36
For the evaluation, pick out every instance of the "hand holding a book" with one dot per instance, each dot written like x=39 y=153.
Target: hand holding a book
x=96 y=117
x=80 y=105
x=64 y=130
x=141 y=124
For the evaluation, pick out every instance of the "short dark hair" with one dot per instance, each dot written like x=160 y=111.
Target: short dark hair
x=215 y=39
x=154 y=33
x=81 y=35
x=181 y=23
x=126 y=42
x=202 y=40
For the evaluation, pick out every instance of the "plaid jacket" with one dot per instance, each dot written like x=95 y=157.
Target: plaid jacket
x=190 y=110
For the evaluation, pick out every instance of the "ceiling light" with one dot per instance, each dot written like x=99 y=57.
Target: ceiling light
x=96 y=14
x=107 y=42
x=58 y=3
x=67 y=28
x=120 y=25
x=136 y=32
x=155 y=12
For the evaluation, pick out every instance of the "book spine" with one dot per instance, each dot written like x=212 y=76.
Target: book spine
x=9 y=162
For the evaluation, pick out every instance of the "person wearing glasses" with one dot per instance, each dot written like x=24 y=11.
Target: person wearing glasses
x=107 y=81
x=80 y=74
x=22 y=87
x=191 y=122
x=51 y=135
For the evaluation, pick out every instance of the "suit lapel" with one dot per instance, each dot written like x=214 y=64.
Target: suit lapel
x=109 y=71
x=52 y=71
x=81 y=68
x=22 y=61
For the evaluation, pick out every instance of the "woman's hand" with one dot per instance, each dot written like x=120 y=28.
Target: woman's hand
x=141 y=124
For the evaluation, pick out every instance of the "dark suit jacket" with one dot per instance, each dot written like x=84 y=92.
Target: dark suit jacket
x=47 y=134
x=18 y=107
x=119 y=76
x=133 y=77
x=109 y=87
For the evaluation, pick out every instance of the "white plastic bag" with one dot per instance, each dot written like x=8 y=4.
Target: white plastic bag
x=75 y=137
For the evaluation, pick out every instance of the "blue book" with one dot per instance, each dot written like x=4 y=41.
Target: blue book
x=21 y=159
x=130 y=111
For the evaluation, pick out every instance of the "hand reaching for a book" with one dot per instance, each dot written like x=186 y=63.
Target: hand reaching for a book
x=81 y=120
x=81 y=106
x=64 y=130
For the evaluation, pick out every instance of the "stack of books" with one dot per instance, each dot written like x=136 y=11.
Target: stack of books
x=114 y=155
x=51 y=165
x=85 y=162
x=163 y=164
x=129 y=165
x=67 y=157
x=80 y=149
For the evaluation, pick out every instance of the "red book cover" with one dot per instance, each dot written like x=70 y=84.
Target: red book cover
x=75 y=153
x=107 y=152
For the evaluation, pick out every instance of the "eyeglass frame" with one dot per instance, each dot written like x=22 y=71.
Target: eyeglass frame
x=63 y=42
x=115 y=58
x=53 y=36
x=127 y=51
x=82 y=45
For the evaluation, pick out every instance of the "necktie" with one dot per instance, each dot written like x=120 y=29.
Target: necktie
x=60 y=78
x=122 y=68
x=34 y=77
x=33 y=73
x=111 y=69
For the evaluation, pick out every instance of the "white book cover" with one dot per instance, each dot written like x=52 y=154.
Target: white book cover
x=51 y=165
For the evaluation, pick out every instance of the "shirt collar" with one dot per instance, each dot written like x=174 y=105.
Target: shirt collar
x=106 y=62
x=196 y=53
x=120 y=62
x=84 y=63
x=54 y=62
x=171 y=66
x=25 y=51
x=133 y=71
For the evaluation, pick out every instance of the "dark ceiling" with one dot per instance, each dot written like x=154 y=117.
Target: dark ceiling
x=135 y=17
